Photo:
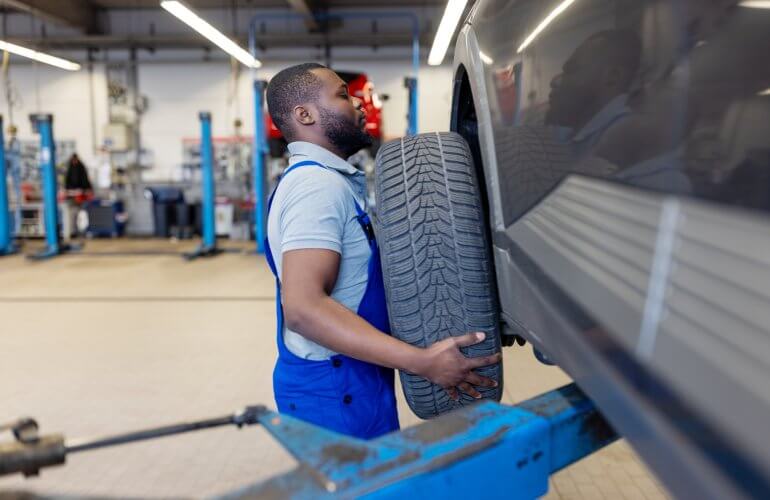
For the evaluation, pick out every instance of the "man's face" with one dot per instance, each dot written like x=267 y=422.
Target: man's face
x=342 y=117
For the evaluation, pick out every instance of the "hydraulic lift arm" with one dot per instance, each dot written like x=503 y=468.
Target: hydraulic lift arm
x=29 y=452
x=514 y=448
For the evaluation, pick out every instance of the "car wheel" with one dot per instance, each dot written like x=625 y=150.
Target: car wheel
x=435 y=250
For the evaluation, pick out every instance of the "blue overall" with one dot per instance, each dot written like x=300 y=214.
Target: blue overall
x=342 y=394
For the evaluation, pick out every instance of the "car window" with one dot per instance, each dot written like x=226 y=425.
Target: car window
x=665 y=95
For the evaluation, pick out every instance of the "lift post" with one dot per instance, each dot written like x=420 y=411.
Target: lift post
x=258 y=163
x=13 y=157
x=7 y=246
x=208 y=246
x=42 y=124
x=411 y=87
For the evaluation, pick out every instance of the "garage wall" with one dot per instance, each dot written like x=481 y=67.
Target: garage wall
x=176 y=91
x=65 y=94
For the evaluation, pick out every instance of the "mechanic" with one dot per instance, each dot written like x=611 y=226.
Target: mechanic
x=335 y=356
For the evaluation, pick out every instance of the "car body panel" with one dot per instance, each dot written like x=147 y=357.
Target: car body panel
x=626 y=155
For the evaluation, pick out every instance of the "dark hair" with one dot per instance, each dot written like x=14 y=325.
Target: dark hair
x=289 y=88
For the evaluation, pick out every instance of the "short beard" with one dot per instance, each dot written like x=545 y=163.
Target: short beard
x=345 y=136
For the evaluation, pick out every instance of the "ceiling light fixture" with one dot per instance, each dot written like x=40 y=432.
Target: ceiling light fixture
x=215 y=36
x=486 y=59
x=454 y=9
x=544 y=23
x=39 y=56
x=756 y=4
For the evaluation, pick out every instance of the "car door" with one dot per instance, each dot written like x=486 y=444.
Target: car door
x=626 y=153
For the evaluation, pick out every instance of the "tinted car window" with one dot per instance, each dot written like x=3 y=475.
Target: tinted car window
x=664 y=95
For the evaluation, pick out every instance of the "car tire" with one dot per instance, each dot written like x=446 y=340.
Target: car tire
x=435 y=250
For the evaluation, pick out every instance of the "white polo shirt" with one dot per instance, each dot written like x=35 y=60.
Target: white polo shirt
x=313 y=208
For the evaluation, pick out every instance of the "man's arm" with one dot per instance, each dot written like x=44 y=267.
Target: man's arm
x=308 y=278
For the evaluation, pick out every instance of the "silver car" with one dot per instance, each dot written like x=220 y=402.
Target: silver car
x=604 y=195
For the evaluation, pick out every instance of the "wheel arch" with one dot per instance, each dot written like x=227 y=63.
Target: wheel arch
x=471 y=99
x=469 y=94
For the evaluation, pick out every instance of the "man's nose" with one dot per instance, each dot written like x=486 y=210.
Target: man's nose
x=358 y=103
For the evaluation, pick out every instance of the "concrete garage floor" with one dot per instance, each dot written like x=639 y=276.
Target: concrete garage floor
x=91 y=345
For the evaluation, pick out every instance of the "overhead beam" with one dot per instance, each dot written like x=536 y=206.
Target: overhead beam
x=193 y=42
x=79 y=14
x=306 y=8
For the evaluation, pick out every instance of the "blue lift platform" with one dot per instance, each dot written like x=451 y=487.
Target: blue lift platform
x=513 y=448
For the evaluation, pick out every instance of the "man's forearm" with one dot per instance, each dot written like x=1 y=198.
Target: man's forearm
x=332 y=325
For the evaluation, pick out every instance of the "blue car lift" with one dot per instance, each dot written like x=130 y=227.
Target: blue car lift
x=7 y=246
x=13 y=157
x=513 y=448
x=42 y=124
x=208 y=246
x=260 y=147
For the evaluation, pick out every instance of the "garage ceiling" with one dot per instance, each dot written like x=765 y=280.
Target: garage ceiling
x=92 y=24
x=318 y=4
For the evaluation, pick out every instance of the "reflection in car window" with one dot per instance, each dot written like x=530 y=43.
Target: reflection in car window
x=670 y=96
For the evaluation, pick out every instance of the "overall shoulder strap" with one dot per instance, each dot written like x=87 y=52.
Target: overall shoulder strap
x=364 y=221
x=305 y=163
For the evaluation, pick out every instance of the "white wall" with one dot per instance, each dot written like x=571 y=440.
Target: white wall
x=67 y=96
x=177 y=91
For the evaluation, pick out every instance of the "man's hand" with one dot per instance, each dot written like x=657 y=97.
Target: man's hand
x=444 y=365
x=308 y=278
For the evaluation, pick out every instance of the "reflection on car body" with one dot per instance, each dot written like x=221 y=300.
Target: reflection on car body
x=639 y=104
x=620 y=142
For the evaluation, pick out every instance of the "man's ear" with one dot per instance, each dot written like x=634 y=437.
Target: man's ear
x=303 y=115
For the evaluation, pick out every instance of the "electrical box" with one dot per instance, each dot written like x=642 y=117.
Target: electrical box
x=118 y=137
x=223 y=215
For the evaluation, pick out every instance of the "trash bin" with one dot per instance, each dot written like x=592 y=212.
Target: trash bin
x=164 y=202
x=182 y=227
x=106 y=218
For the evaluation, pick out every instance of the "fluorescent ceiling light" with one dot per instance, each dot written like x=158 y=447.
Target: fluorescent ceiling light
x=486 y=59
x=454 y=9
x=756 y=4
x=211 y=33
x=765 y=92
x=545 y=22
x=39 y=56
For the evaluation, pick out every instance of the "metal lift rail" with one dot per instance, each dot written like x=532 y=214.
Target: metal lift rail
x=515 y=449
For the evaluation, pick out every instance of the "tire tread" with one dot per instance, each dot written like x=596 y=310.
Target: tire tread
x=436 y=256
